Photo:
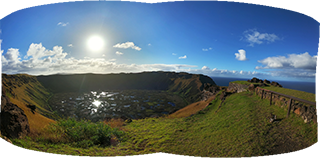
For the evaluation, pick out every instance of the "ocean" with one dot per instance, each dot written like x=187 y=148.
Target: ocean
x=309 y=87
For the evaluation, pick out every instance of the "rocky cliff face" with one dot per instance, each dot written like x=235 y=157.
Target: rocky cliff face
x=187 y=85
x=14 y=122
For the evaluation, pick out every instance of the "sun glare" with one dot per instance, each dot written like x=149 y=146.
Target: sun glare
x=96 y=103
x=95 y=43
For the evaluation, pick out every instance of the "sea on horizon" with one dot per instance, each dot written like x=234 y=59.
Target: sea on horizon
x=309 y=87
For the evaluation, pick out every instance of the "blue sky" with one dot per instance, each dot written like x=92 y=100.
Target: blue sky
x=213 y=38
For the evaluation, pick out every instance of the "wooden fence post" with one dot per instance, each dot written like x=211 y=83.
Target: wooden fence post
x=270 y=98
x=262 y=94
x=289 y=107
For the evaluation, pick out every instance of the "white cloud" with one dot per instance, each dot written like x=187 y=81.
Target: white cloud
x=254 y=37
x=297 y=61
x=63 y=24
x=174 y=54
x=206 y=49
x=149 y=44
x=37 y=51
x=44 y=61
x=205 y=68
x=127 y=45
x=119 y=53
x=183 y=57
x=294 y=65
x=241 y=55
x=12 y=55
x=70 y=45
x=2 y=58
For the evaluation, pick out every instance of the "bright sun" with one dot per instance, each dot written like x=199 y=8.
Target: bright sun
x=95 y=43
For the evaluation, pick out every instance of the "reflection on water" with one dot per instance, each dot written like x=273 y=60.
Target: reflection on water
x=96 y=103
x=131 y=103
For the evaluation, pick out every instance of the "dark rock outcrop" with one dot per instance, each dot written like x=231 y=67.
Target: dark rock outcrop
x=14 y=122
x=264 y=82
x=276 y=84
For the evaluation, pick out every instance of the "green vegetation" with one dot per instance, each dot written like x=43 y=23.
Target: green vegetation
x=240 y=127
x=245 y=82
x=294 y=93
x=81 y=134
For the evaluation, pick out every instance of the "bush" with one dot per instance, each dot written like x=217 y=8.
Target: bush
x=82 y=133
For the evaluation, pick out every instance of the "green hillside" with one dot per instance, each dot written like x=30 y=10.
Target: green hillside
x=240 y=127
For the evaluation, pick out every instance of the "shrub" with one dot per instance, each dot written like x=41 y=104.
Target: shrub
x=81 y=133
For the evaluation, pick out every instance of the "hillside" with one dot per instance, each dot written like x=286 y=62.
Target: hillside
x=187 y=85
x=226 y=124
x=24 y=90
x=240 y=127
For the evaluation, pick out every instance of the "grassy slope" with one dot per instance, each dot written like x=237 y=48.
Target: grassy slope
x=245 y=82
x=29 y=93
x=191 y=109
x=239 y=128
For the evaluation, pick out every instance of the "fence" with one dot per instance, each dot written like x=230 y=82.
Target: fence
x=264 y=92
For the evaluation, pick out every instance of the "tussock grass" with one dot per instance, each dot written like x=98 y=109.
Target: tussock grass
x=115 y=123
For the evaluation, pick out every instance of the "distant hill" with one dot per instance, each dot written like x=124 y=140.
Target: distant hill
x=187 y=85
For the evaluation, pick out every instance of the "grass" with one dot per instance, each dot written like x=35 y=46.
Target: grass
x=245 y=83
x=81 y=134
x=239 y=128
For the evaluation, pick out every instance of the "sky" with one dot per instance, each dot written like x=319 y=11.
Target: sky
x=218 y=39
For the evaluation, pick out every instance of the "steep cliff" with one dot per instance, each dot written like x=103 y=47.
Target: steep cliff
x=187 y=85
x=25 y=91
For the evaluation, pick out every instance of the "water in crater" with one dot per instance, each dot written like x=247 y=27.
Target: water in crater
x=98 y=105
